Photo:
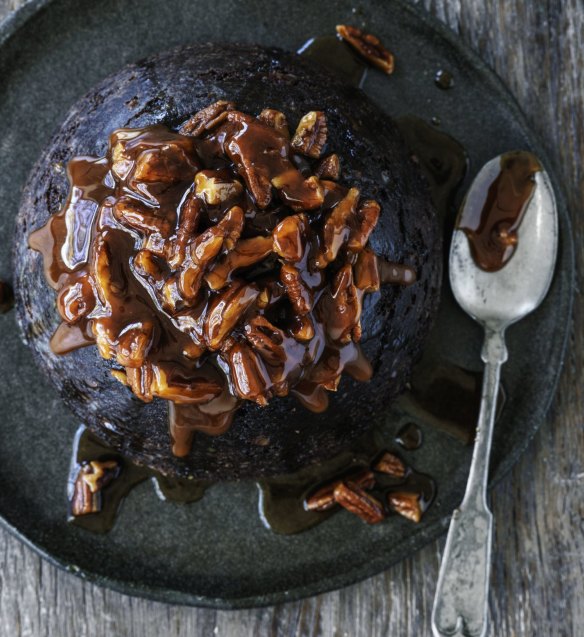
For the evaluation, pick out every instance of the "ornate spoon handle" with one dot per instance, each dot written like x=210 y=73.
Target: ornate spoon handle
x=461 y=601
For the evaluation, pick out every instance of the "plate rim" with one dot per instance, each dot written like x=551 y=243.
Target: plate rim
x=9 y=27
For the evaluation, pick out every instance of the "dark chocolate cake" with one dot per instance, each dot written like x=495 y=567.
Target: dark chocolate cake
x=189 y=100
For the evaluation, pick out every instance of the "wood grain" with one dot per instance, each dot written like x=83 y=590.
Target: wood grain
x=538 y=576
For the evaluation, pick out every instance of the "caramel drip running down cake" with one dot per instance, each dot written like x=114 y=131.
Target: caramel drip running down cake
x=222 y=263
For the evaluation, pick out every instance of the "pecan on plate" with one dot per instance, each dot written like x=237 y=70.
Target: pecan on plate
x=91 y=479
x=391 y=465
x=323 y=499
x=405 y=503
x=368 y=46
x=359 y=502
x=310 y=136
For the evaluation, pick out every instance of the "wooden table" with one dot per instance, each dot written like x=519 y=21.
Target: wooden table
x=537 y=47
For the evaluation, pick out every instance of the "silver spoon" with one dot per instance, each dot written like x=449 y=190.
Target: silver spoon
x=496 y=300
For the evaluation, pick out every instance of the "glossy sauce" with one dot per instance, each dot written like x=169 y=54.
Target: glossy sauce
x=491 y=219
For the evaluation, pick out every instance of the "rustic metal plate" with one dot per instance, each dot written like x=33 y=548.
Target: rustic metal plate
x=217 y=553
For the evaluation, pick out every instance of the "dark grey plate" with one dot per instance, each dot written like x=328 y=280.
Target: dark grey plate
x=217 y=553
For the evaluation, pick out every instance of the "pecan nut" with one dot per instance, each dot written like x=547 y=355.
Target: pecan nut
x=207 y=118
x=276 y=120
x=359 y=502
x=310 y=136
x=391 y=465
x=323 y=498
x=91 y=479
x=329 y=167
x=337 y=228
x=245 y=253
x=289 y=237
x=216 y=189
x=368 y=46
x=405 y=503
x=298 y=292
x=367 y=217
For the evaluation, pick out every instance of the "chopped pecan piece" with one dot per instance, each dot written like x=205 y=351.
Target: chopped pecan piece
x=187 y=225
x=366 y=271
x=344 y=310
x=109 y=281
x=214 y=189
x=391 y=465
x=276 y=120
x=250 y=378
x=6 y=297
x=76 y=300
x=245 y=253
x=323 y=499
x=192 y=389
x=297 y=192
x=310 y=136
x=91 y=479
x=357 y=501
x=140 y=381
x=166 y=165
x=329 y=168
x=139 y=217
x=226 y=310
x=368 y=46
x=406 y=504
x=289 y=236
x=266 y=339
x=134 y=344
x=298 y=292
x=367 y=217
x=207 y=118
x=302 y=329
x=336 y=228
x=147 y=264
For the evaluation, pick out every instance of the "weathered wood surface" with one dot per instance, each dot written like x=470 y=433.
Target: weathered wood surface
x=538 y=576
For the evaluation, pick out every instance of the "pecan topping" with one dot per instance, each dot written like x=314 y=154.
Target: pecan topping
x=250 y=378
x=367 y=217
x=245 y=253
x=91 y=479
x=266 y=339
x=366 y=271
x=336 y=228
x=323 y=499
x=359 y=502
x=344 y=308
x=134 y=345
x=329 y=168
x=298 y=292
x=276 y=120
x=406 y=504
x=310 y=136
x=289 y=237
x=368 y=46
x=214 y=189
x=302 y=328
x=136 y=215
x=226 y=310
x=207 y=118
x=147 y=264
x=391 y=465
x=187 y=225
x=76 y=301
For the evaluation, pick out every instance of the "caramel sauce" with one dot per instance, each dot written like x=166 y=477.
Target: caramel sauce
x=492 y=218
x=153 y=259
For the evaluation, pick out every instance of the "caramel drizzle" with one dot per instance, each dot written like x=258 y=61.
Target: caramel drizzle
x=213 y=267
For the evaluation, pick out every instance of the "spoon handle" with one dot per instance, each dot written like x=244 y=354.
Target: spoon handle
x=461 y=601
